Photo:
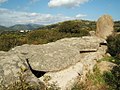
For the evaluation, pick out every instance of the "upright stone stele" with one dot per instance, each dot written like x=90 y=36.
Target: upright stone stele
x=104 y=26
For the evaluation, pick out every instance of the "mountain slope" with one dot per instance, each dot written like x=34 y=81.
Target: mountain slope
x=25 y=26
x=3 y=28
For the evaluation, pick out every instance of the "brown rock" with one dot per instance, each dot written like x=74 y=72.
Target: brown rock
x=105 y=66
x=104 y=26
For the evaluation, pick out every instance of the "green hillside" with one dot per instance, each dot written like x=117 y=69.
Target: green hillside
x=3 y=28
x=25 y=26
x=46 y=34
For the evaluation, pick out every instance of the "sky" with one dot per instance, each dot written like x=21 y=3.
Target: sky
x=46 y=12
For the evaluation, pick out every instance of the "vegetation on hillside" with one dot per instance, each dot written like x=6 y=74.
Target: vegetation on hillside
x=96 y=81
x=85 y=24
x=114 y=45
x=44 y=35
x=9 y=40
x=19 y=27
x=3 y=28
x=117 y=26
x=49 y=33
x=109 y=80
x=25 y=27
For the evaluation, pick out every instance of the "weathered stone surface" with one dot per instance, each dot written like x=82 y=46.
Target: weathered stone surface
x=92 y=33
x=11 y=69
x=107 y=66
x=66 y=78
x=64 y=59
x=57 y=55
x=104 y=26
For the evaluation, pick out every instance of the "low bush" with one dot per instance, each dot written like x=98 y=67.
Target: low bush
x=113 y=42
x=8 y=41
x=72 y=27
x=94 y=81
x=113 y=78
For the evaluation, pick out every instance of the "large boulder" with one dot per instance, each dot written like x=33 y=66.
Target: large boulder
x=104 y=26
x=65 y=59
x=58 y=55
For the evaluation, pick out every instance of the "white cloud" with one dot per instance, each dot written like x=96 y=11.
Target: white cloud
x=66 y=3
x=2 y=1
x=80 y=16
x=8 y=18
x=33 y=1
x=4 y=11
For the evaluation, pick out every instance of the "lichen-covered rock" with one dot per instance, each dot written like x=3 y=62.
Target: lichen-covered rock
x=58 y=55
x=12 y=70
x=65 y=59
x=61 y=61
x=66 y=78
x=104 y=26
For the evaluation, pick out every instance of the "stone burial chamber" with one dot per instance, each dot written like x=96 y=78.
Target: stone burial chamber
x=60 y=62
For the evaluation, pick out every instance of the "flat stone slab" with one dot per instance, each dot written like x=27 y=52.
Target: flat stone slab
x=57 y=55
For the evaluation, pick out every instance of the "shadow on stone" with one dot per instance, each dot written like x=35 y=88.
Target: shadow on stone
x=38 y=74
x=87 y=51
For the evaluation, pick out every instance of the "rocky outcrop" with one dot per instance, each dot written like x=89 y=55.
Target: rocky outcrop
x=63 y=61
x=107 y=66
x=58 y=55
x=13 y=69
x=58 y=63
x=104 y=26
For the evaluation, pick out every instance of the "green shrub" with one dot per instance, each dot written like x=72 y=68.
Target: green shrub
x=94 y=81
x=48 y=34
x=69 y=27
x=110 y=59
x=114 y=45
x=72 y=27
x=113 y=78
x=78 y=86
x=9 y=41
